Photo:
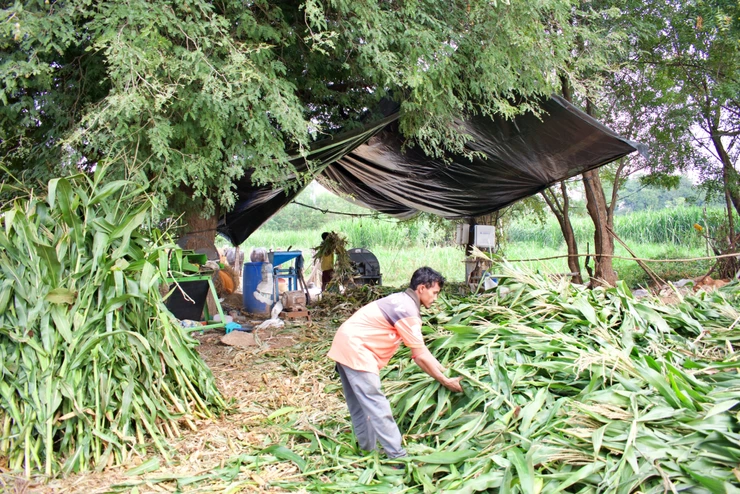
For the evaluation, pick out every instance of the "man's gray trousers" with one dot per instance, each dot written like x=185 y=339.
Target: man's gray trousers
x=372 y=419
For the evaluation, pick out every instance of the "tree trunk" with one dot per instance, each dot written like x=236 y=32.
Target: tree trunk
x=200 y=236
x=603 y=217
x=730 y=179
x=604 y=273
x=561 y=212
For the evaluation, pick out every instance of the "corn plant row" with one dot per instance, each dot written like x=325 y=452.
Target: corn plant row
x=566 y=390
x=669 y=226
x=94 y=369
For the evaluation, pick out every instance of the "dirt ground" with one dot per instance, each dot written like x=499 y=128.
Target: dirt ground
x=282 y=369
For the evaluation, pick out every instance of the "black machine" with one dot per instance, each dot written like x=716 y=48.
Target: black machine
x=367 y=267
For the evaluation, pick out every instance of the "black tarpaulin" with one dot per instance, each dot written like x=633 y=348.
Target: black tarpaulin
x=512 y=159
x=256 y=204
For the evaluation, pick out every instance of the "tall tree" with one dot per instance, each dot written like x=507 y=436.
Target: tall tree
x=677 y=91
x=680 y=89
x=191 y=94
x=559 y=204
x=595 y=49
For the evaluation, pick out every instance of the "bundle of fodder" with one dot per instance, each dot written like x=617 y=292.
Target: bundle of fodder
x=336 y=244
x=94 y=367
x=566 y=390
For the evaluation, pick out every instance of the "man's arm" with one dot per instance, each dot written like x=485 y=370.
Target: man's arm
x=424 y=359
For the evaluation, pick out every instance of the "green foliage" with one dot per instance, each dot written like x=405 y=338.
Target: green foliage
x=312 y=209
x=397 y=254
x=200 y=93
x=678 y=89
x=664 y=234
x=366 y=232
x=393 y=233
x=565 y=390
x=550 y=260
x=644 y=194
x=665 y=226
x=634 y=276
x=397 y=265
x=190 y=92
x=93 y=365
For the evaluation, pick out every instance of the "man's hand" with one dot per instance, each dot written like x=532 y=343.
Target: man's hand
x=453 y=384
x=431 y=366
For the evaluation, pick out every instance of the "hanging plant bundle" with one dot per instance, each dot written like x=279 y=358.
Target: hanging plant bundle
x=94 y=368
x=336 y=244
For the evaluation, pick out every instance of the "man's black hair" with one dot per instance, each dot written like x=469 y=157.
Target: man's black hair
x=324 y=235
x=426 y=276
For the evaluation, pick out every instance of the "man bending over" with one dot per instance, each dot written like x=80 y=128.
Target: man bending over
x=366 y=342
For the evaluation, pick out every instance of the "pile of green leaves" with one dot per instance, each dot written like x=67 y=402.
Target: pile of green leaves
x=565 y=390
x=574 y=390
x=341 y=305
x=94 y=368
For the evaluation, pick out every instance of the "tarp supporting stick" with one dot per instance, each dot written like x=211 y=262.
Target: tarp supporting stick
x=658 y=281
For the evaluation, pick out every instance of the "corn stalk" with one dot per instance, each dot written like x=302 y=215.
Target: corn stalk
x=94 y=368
x=565 y=390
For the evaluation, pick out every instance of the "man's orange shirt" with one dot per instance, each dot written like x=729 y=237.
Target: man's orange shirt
x=367 y=340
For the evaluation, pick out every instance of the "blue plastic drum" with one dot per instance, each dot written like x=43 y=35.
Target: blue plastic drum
x=252 y=276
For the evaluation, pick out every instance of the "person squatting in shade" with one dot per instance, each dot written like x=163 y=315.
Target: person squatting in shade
x=366 y=342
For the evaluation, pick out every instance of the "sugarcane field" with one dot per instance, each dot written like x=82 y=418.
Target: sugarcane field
x=370 y=247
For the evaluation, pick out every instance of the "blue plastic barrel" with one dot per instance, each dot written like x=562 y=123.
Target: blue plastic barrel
x=252 y=276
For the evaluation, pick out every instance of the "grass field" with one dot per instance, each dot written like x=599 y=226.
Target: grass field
x=397 y=263
x=401 y=247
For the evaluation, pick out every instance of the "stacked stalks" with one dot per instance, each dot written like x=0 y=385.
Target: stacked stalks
x=579 y=391
x=566 y=390
x=93 y=367
x=336 y=244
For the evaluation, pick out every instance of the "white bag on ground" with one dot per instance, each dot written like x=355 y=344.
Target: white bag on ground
x=274 y=322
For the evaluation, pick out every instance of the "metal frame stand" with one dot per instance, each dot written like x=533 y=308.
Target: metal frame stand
x=212 y=289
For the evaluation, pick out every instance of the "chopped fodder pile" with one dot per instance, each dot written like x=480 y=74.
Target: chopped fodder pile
x=340 y=306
